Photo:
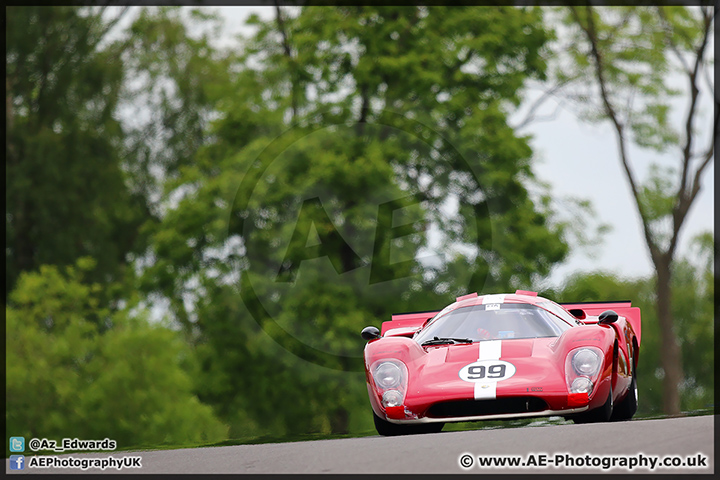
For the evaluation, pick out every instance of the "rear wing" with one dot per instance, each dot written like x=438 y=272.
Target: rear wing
x=405 y=324
x=623 y=308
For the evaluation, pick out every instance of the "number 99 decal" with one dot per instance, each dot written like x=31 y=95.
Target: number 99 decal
x=487 y=371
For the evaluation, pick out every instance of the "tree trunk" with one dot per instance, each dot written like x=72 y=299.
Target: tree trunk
x=670 y=357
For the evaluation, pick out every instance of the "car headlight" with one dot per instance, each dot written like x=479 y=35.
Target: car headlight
x=586 y=362
x=582 y=369
x=387 y=375
x=392 y=398
x=391 y=379
x=581 y=385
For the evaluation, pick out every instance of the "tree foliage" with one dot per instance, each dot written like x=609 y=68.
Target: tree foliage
x=172 y=81
x=66 y=194
x=339 y=142
x=66 y=378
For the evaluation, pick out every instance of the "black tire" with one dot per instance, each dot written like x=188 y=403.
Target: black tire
x=600 y=414
x=388 y=429
x=627 y=407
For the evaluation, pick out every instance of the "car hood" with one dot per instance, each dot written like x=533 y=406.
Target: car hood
x=438 y=372
x=439 y=355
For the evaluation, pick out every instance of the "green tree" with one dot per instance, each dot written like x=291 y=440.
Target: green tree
x=694 y=312
x=340 y=139
x=67 y=379
x=623 y=60
x=66 y=194
x=447 y=77
x=173 y=78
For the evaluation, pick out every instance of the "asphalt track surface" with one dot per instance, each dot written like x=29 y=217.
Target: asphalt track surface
x=437 y=453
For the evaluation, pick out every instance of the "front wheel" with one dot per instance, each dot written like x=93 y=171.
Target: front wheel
x=628 y=406
x=389 y=429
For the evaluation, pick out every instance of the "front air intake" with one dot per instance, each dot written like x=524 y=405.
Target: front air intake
x=498 y=406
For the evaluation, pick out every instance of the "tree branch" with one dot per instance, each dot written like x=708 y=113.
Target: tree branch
x=542 y=118
x=707 y=158
x=110 y=25
x=610 y=111
x=291 y=60
x=670 y=41
x=530 y=116
x=685 y=200
x=364 y=107
x=694 y=91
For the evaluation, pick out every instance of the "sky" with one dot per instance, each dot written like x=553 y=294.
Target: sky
x=580 y=160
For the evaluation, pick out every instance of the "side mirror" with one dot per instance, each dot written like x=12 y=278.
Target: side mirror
x=370 y=333
x=607 y=317
x=578 y=313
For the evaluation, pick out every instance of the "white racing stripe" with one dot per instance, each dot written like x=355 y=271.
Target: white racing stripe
x=489 y=350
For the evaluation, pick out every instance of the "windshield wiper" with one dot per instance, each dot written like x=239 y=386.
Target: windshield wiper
x=443 y=340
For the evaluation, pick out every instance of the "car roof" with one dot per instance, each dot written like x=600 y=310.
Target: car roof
x=520 y=296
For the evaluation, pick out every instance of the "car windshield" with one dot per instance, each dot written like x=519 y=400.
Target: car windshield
x=494 y=321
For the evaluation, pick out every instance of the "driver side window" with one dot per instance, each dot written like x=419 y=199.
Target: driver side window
x=560 y=312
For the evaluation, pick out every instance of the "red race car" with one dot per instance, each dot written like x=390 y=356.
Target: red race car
x=503 y=356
